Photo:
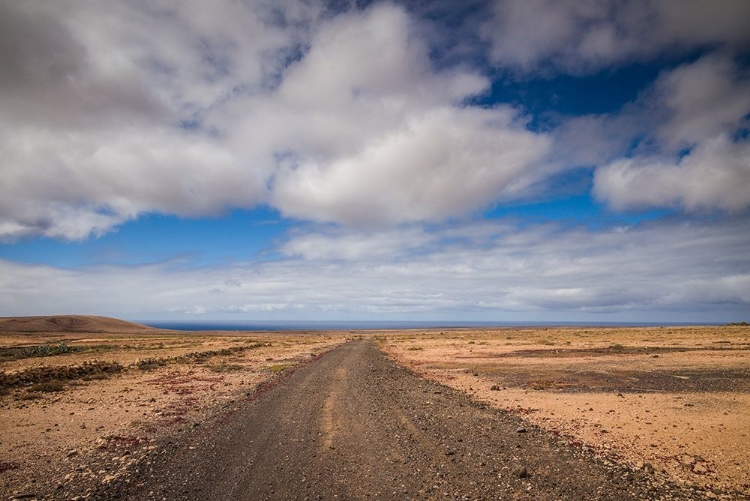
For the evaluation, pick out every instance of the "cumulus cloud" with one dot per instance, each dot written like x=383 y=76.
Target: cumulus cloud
x=111 y=111
x=483 y=271
x=370 y=133
x=445 y=163
x=92 y=102
x=579 y=37
x=700 y=100
x=716 y=175
x=192 y=108
x=698 y=158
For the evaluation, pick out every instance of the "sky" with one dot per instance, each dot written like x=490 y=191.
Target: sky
x=489 y=161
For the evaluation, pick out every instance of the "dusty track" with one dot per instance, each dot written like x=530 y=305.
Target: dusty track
x=354 y=425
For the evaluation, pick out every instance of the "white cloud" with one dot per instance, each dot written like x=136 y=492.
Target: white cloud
x=339 y=244
x=329 y=118
x=445 y=163
x=700 y=106
x=548 y=272
x=112 y=110
x=582 y=36
x=375 y=135
x=700 y=100
x=716 y=175
x=91 y=103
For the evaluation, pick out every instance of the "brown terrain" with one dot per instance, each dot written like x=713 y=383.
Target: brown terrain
x=94 y=408
x=675 y=399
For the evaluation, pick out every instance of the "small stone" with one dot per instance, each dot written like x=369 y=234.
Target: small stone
x=521 y=430
x=72 y=453
x=494 y=387
x=521 y=472
x=700 y=468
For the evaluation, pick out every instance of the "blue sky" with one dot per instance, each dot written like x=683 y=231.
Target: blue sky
x=302 y=160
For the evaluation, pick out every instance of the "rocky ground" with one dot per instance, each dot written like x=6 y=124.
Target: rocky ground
x=354 y=425
x=675 y=399
x=75 y=420
x=503 y=414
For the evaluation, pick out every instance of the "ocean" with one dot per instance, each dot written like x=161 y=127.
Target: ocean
x=321 y=325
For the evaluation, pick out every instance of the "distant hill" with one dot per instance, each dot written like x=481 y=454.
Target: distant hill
x=69 y=323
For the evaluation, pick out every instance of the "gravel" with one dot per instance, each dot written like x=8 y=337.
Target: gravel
x=354 y=425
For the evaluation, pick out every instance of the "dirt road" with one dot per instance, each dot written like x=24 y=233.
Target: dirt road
x=353 y=425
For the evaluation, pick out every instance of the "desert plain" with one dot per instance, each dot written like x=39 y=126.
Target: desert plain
x=85 y=399
x=672 y=399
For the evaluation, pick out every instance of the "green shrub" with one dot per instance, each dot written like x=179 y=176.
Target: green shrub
x=280 y=368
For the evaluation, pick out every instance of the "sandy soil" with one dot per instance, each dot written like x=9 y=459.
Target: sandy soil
x=93 y=427
x=352 y=425
x=673 y=399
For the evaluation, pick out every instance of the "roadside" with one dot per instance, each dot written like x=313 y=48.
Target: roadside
x=675 y=400
x=74 y=420
x=354 y=425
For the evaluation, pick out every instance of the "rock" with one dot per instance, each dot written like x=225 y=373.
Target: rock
x=72 y=453
x=700 y=468
x=647 y=468
x=521 y=430
x=494 y=387
x=521 y=472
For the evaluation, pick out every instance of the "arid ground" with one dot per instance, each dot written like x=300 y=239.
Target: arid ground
x=96 y=409
x=673 y=398
x=80 y=417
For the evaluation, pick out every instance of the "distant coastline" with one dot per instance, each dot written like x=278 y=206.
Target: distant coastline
x=282 y=325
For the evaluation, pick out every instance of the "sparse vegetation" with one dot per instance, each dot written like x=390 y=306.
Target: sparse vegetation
x=48 y=386
x=225 y=367
x=149 y=364
x=277 y=368
x=45 y=373
x=42 y=350
x=28 y=396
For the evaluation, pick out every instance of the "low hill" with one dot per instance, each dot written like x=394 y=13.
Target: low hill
x=68 y=323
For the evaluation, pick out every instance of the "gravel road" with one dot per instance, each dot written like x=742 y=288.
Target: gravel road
x=354 y=425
